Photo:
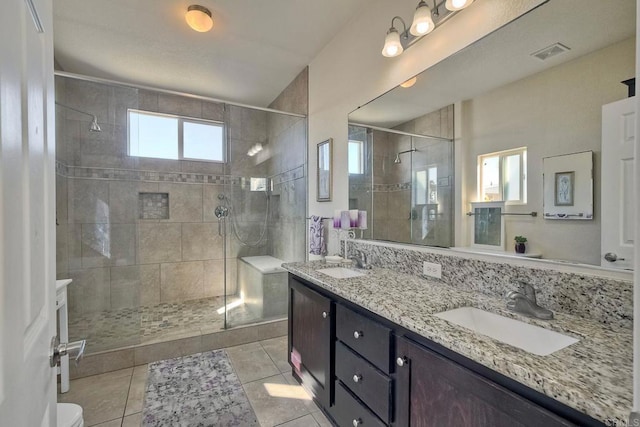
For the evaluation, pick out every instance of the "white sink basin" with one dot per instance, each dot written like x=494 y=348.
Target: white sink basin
x=527 y=337
x=340 y=272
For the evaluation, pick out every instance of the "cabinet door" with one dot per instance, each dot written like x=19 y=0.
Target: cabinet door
x=310 y=339
x=435 y=391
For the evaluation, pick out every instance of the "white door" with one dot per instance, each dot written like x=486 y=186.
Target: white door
x=27 y=214
x=617 y=219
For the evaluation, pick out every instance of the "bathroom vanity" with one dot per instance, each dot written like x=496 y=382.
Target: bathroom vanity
x=371 y=352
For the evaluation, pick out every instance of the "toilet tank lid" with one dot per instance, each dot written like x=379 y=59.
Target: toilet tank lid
x=68 y=414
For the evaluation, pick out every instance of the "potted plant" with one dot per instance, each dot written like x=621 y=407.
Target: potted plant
x=520 y=244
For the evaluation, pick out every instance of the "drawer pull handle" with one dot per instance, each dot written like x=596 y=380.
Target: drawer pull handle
x=357 y=378
x=357 y=422
x=400 y=361
x=358 y=334
x=324 y=314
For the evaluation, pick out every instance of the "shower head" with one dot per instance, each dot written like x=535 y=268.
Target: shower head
x=397 y=160
x=94 y=127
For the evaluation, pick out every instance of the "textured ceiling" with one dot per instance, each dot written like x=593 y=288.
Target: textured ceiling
x=254 y=50
x=505 y=56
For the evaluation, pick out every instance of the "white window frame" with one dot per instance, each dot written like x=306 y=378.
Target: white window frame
x=181 y=121
x=522 y=152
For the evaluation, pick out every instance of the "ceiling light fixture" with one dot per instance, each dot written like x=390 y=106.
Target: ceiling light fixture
x=199 y=18
x=409 y=82
x=454 y=5
x=425 y=20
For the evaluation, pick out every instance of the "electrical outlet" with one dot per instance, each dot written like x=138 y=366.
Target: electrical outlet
x=432 y=269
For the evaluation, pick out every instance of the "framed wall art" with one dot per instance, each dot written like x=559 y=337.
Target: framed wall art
x=568 y=186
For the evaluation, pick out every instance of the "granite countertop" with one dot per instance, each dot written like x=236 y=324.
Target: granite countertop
x=593 y=376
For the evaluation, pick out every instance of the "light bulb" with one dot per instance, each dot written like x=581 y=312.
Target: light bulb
x=392 y=46
x=422 y=20
x=454 y=5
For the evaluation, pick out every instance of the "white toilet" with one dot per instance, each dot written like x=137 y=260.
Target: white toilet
x=70 y=415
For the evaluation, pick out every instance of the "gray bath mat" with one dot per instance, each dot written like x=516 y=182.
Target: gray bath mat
x=196 y=391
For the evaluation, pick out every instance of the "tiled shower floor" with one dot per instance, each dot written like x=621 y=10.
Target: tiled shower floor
x=151 y=324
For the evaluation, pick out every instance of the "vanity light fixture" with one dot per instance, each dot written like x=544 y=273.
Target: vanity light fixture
x=392 y=45
x=422 y=20
x=454 y=5
x=199 y=18
x=425 y=20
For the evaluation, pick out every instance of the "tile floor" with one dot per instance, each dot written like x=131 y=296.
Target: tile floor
x=113 y=329
x=115 y=399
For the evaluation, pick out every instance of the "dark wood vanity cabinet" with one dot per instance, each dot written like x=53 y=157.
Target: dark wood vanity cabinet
x=362 y=367
x=310 y=338
x=432 y=390
x=364 y=370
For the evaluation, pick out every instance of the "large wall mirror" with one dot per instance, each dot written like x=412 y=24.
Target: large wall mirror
x=534 y=89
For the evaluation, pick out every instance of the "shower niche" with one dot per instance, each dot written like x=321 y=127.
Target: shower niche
x=153 y=205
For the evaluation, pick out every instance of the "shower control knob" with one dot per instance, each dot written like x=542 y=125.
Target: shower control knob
x=358 y=334
x=324 y=314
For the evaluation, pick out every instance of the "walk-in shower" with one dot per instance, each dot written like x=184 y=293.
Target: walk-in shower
x=406 y=181
x=164 y=248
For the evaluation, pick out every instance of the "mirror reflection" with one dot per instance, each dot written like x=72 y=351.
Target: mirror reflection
x=534 y=89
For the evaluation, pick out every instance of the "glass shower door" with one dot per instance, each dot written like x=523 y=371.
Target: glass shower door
x=432 y=192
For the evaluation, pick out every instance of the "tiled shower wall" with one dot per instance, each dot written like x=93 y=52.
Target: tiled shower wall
x=387 y=187
x=118 y=260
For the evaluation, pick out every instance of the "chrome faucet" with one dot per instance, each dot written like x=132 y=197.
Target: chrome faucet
x=361 y=260
x=523 y=301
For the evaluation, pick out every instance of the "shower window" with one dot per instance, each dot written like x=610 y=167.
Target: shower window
x=356 y=157
x=164 y=136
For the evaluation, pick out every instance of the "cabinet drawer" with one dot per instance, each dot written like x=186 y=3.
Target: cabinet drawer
x=367 y=337
x=372 y=386
x=347 y=411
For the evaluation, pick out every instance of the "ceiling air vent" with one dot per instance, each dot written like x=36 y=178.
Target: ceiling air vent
x=550 y=51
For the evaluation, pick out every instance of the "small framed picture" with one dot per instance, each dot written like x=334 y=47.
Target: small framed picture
x=324 y=170
x=564 y=185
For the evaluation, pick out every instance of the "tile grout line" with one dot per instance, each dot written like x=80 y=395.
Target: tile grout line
x=126 y=402
x=269 y=356
x=294 y=419
x=242 y=385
